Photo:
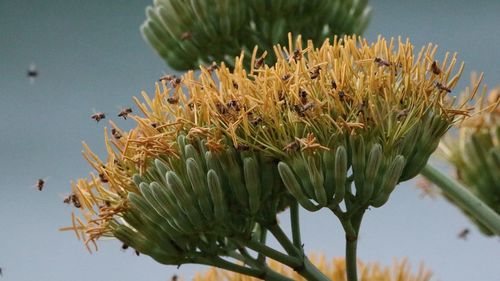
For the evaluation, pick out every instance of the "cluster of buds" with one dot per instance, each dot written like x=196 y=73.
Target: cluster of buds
x=198 y=177
x=475 y=153
x=189 y=33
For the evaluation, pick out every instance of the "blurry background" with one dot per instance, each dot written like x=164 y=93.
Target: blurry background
x=90 y=56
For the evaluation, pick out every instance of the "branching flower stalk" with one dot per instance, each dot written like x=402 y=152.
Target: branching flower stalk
x=214 y=159
x=475 y=154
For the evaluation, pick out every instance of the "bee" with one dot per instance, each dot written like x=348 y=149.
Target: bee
x=464 y=234
x=221 y=108
x=233 y=105
x=341 y=95
x=102 y=178
x=401 y=114
x=98 y=116
x=299 y=109
x=235 y=85
x=381 y=62
x=303 y=96
x=173 y=100
x=176 y=82
x=137 y=253
x=124 y=247
x=72 y=199
x=154 y=124
x=442 y=87
x=259 y=62
x=292 y=147
x=315 y=72
x=167 y=78
x=297 y=55
x=435 y=68
x=212 y=67
x=186 y=36
x=125 y=112
x=32 y=73
x=116 y=134
x=256 y=121
x=308 y=106
x=40 y=184
x=286 y=77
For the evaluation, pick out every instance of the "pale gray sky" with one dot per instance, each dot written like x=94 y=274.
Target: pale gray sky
x=91 y=56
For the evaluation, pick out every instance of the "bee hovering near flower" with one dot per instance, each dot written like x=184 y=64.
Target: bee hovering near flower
x=125 y=112
x=464 y=234
x=40 y=184
x=98 y=116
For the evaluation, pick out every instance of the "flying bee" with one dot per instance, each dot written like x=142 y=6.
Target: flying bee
x=315 y=72
x=40 y=184
x=173 y=100
x=116 y=133
x=32 y=73
x=435 y=68
x=167 y=78
x=73 y=199
x=98 y=116
x=303 y=96
x=297 y=55
x=125 y=112
x=442 y=87
x=186 y=36
x=464 y=233
x=401 y=114
x=381 y=62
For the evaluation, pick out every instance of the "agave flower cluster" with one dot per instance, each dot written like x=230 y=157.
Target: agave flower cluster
x=475 y=153
x=214 y=158
x=189 y=33
x=335 y=270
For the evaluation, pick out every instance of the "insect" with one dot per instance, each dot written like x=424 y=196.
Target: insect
x=221 y=109
x=176 y=82
x=303 y=96
x=167 y=78
x=299 y=109
x=98 y=116
x=297 y=55
x=116 y=134
x=442 y=87
x=125 y=112
x=137 y=253
x=401 y=114
x=292 y=147
x=435 y=68
x=173 y=100
x=212 y=67
x=233 y=105
x=256 y=121
x=40 y=184
x=235 y=85
x=307 y=106
x=341 y=95
x=259 y=62
x=32 y=73
x=381 y=62
x=186 y=35
x=286 y=77
x=315 y=72
x=1 y=273
x=464 y=233
x=154 y=124
x=334 y=85
x=102 y=178
x=124 y=247
x=72 y=199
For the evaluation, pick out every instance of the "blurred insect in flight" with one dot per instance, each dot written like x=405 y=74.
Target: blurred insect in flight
x=40 y=184
x=125 y=112
x=464 y=234
x=32 y=73
x=98 y=116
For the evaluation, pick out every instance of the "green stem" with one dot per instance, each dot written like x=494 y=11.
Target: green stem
x=294 y=219
x=290 y=261
x=306 y=268
x=351 y=228
x=456 y=191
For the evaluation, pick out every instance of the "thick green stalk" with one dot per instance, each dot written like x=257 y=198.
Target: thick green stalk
x=477 y=208
x=295 y=222
x=351 y=228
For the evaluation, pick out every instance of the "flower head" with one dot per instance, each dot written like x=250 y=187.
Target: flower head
x=211 y=150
